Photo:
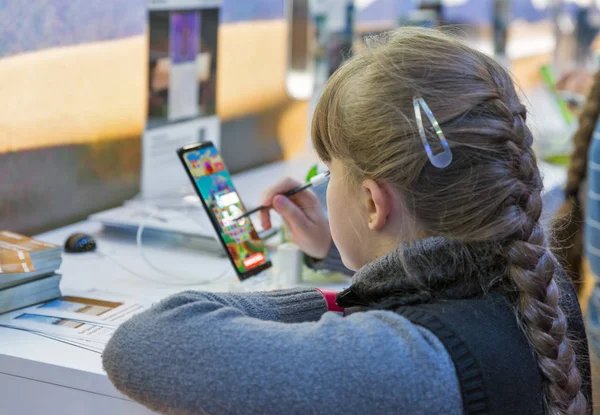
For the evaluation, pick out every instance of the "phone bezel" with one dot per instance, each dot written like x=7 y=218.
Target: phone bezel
x=194 y=147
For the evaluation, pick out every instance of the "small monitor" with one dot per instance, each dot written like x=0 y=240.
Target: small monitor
x=182 y=85
x=182 y=65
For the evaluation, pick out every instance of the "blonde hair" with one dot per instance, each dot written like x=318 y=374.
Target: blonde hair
x=491 y=192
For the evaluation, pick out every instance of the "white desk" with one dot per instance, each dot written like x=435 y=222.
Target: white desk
x=38 y=375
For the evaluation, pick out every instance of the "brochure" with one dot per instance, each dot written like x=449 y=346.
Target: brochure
x=84 y=322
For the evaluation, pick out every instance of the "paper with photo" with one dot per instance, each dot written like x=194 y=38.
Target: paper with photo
x=91 y=310
x=82 y=320
x=78 y=318
x=57 y=327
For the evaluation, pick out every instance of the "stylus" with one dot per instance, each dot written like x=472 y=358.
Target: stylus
x=315 y=181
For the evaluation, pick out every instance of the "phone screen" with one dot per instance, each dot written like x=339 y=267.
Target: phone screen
x=215 y=187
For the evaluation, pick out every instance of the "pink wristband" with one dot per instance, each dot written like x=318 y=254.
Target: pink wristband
x=329 y=296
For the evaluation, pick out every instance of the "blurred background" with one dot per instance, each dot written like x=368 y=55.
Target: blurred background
x=74 y=84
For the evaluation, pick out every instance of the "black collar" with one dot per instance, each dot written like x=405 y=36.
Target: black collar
x=432 y=267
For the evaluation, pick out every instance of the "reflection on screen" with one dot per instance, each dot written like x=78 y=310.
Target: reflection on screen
x=214 y=183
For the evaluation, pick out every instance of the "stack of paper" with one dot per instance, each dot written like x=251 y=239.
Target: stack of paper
x=24 y=259
x=27 y=271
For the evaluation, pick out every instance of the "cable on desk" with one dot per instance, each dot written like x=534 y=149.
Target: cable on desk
x=180 y=282
x=177 y=277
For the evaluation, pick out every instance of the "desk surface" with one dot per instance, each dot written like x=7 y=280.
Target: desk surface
x=108 y=271
x=28 y=355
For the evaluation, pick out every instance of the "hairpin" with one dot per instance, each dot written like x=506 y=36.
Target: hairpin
x=444 y=158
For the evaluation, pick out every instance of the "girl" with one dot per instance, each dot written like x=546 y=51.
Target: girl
x=568 y=221
x=442 y=226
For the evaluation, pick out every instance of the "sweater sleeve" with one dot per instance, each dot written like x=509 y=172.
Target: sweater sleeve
x=288 y=306
x=210 y=353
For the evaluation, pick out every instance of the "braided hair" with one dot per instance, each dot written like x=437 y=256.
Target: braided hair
x=568 y=221
x=490 y=193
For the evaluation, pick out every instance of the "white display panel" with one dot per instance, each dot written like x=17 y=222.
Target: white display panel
x=162 y=172
x=182 y=71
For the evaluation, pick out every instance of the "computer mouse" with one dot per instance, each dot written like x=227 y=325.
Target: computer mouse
x=80 y=242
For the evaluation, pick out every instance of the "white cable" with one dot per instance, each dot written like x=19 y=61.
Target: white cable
x=181 y=283
x=178 y=280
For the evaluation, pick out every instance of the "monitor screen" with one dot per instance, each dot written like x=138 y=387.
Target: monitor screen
x=182 y=65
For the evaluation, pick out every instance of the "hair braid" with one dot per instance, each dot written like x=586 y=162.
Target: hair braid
x=581 y=140
x=567 y=222
x=532 y=269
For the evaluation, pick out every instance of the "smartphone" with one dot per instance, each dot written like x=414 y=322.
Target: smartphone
x=214 y=186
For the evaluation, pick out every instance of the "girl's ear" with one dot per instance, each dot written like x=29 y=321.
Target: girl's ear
x=378 y=204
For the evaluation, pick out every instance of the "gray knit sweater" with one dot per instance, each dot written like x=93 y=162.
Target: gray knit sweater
x=281 y=353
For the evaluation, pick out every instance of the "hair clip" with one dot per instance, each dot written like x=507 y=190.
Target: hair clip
x=444 y=158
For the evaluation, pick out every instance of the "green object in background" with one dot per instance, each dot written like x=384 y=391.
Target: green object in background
x=317 y=278
x=550 y=81
x=314 y=170
x=558 y=159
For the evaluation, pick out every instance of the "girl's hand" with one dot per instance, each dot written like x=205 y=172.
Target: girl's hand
x=302 y=213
